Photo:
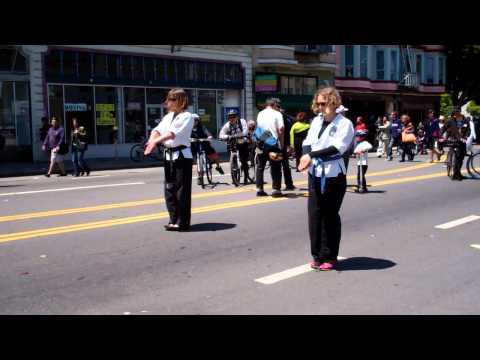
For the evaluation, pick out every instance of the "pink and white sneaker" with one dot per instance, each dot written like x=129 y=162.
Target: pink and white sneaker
x=327 y=266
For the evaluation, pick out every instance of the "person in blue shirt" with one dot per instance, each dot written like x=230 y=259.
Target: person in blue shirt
x=395 y=134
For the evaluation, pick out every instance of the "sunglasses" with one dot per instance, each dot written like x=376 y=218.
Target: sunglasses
x=171 y=99
x=321 y=104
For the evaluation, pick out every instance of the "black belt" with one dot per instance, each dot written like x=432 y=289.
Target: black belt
x=176 y=148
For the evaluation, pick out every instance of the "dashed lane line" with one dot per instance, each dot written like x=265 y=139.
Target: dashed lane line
x=458 y=222
x=287 y=274
x=475 y=246
x=70 y=189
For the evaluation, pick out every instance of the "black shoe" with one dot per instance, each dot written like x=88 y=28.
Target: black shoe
x=47 y=175
x=62 y=175
x=82 y=173
x=261 y=193
x=220 y=170
x=172 y=227
x=401 y=160
x=290 y=188
x=277 y=193
x=88 y=172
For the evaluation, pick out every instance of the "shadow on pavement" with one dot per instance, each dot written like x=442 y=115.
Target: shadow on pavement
x=364 y=263
x=6 y=186
x=295 y=196
x=211 y=227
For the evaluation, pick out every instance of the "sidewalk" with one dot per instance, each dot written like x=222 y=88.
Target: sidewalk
x=11 y=169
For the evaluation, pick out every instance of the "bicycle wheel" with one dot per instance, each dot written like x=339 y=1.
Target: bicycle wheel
x=234 y=169
x=208 y=169
x=200 y=170
x=136 y=153
x=473 y=165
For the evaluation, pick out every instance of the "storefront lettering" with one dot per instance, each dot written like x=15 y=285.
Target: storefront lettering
x=75 y=107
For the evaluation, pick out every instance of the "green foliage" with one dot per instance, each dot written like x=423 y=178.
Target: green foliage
x=446 y=104
x=473 y=109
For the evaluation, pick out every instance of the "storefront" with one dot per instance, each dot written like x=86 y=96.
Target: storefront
x=120 y=97
x=15 y=118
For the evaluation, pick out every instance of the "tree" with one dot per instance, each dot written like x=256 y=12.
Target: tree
x=463 y=77
x=446 y=104
x=473 y=109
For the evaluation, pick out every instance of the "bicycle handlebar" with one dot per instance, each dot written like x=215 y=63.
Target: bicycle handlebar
x=199 y=140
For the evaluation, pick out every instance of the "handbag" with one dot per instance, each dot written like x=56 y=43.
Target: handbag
x=408 y=138
x=63 y=149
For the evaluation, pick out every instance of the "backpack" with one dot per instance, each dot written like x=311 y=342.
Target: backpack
x=265 y=140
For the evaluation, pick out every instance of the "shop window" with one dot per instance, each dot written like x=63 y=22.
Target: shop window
x=441 y=70
x=380 y=65
x=429 y=70
x=348 y=60
x=237 y=74
x=112 y=66
x=210 y=72
x=20 y=63
x=363 y=61
x=309 y=86
x=181 y=71
x=171 y=76
x=54 y=63
x=150 y=69
x=191 y=71
x=135 y=129
x=160 y=70
x=419 y=69
x=200 y=70
x=55 y=103
x=79 y=104
x=22 y=113
x=126 y=67
x=84 y=65
x=106 y=113
x=100 y=65
x=70 y=63
x=155 y=106
x=207 y=109
x=284 y=85
x=393 y=65
x=220 y=73
x=7 y=113
x=298 y=85
x=137 y=66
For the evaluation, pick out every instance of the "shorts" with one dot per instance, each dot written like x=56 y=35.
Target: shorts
x=429 y=143
x=55 y=157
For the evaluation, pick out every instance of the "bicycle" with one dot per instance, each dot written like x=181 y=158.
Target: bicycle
x=137 y=152
x=235 y=164
x=204 y=166
x=473 y=164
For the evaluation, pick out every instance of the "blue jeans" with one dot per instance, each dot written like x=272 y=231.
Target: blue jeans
x=79 y=163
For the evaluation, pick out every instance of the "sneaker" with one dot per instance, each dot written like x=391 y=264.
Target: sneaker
x=47 y=175
x=220 y=170
x=276 y=193
x=315 y=264
x=327 y=266
x=290 y=188
x=261 y=193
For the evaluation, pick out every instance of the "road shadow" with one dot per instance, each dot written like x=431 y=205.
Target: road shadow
x=295 y=195
x=211 y=227
x=369 y=192
x=364 y=263
x=215 y=184
x=7 y=186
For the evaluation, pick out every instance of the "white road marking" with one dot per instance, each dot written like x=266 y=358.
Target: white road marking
x=89 y=177
x=287 y=274
x=71 y=188
x=476 y=246
x=457 y=222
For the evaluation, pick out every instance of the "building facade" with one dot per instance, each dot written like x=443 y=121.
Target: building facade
x=377 y=79
x=292 y=73
x=116 y=91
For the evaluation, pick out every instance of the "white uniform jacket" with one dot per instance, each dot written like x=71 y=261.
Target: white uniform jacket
x=339 y=133
x=182 y=127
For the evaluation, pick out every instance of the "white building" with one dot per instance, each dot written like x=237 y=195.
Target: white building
x=115 y=91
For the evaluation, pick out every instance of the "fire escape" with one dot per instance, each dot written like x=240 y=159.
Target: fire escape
x=409 y=78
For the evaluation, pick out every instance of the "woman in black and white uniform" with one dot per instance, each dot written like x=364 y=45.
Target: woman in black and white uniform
x=174 y=133
x=328 y=138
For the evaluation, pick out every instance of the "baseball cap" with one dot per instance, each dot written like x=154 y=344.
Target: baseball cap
x=232 y=112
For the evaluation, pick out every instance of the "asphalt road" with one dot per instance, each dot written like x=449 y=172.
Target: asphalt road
x=97 y=245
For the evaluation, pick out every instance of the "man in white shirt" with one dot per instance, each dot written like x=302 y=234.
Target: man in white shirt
x=270 y=119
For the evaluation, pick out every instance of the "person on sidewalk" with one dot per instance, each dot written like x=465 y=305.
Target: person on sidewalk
x=174 y=133
x=395 y=135
x=432 y=135
x=408 y=138
x=79 y=145
x=270 y=125
x=298 y=133
x=361 y=151
x=329 y=137
x=55 y=143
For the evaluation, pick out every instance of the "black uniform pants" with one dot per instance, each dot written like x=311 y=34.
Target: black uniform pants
x=460 y=156
x=275 y=171
x=324 y=222
x=178 y=190
x=287 y=172
x=361 y=171
x=406 y=149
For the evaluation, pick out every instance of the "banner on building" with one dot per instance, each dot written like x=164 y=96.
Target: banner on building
x=105 y=114
x=266 y=83
x=75 y=107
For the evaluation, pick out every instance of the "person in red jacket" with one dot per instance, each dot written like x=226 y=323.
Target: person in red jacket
x=361 y=133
